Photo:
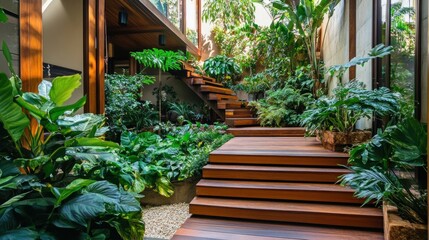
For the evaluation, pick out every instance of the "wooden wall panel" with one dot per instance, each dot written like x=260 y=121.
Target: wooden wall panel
x=94 y=55
x=352 y=37
x=101 y=54
x=31 y=44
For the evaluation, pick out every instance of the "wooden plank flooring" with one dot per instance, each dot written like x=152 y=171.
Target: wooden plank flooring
x=252 y=182
x=227 y=229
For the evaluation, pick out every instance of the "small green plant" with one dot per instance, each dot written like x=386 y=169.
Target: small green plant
x=383 y=169
x=162 y=60
x=222 y=68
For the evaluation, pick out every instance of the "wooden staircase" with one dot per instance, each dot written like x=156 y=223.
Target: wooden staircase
x=290 y=180
x=222 y=100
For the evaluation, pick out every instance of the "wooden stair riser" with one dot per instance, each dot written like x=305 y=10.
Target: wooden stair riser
x=292 y=176
x=278 y=194
x=277 y=160
x=343 y=220
x=236 y=122
x=238 y=113
x=201 y=81
x=265 y=132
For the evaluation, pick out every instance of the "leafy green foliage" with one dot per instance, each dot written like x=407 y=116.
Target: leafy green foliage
x=349 y=103
x=3 y=16
x=222 y=68
x=159 y=59
x=124 y=108
x=306 y=17
x=382 y=169
x=229 y=13
x=281 y=107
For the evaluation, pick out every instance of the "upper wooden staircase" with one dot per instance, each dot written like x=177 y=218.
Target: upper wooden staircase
x=290 y=180
x=222 y=100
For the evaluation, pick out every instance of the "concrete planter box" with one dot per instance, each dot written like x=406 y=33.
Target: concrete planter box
x=396 y=228
x=337 y=141
x=184 y=191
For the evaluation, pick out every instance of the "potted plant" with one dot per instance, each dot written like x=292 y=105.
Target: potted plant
x=383 y=170
x=333 y=118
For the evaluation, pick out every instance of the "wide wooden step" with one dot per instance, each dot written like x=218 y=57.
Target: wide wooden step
x=203 y=228
x=227 y=104
x=214 y=89
x=310 y=213
x=265 y=131
x=273 y=173
x=220 y=97
x=201 y=81
x=238 y=113
x=313 y=192
x=290 y=151
x=236 y=122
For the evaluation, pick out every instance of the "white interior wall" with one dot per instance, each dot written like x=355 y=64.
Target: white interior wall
x=63 y=37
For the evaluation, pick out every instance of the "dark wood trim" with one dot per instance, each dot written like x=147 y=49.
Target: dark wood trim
x=101 y=54
x=31 y=44
x=352 y=37
x=135 y=30
x=388 y=42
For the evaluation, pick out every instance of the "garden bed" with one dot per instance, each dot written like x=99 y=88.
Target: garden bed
x=184 y=192
x=396 y=228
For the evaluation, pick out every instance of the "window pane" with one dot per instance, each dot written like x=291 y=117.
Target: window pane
x=192 y=21
x=172 y=9
x=403 y=40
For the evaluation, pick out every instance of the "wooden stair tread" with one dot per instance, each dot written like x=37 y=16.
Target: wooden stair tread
x=200 y=228
x=273 y=173
x=246 y=121
x=220 y=97
x=266 y=131
x=313 y=213
x=214 y=89
x=201 y=81
x=309 y=192
x=274 y=185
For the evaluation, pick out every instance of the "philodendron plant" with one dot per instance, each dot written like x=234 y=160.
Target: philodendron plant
x=41 y=197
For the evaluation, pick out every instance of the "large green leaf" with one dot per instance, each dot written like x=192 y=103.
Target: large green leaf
x=63 y=193
x=21 y=234
x=11 y=115
x=8 y=221
x=82 y=124
x=56 y=112
x=44 y=88
x=82 y=209
x=95 y=142
x=63 y=88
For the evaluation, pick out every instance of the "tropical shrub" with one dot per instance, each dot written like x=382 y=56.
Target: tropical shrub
x=383 y=169
x=349 y=103
x=281 y=107
x=41 y=197
x=162 y=60
x=124 y=108
x=223 y=68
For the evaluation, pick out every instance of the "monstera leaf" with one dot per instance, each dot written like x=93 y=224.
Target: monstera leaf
x=13 y=119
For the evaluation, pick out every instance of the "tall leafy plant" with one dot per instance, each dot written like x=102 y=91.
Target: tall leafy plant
x=230 y=13
x=223 y=68
x=307 y=16
x=162 y=60
x=382 y=169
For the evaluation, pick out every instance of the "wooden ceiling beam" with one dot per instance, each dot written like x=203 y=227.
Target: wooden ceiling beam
x=135 y=30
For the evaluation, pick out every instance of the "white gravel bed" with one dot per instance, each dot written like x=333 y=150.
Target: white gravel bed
x=163 y=221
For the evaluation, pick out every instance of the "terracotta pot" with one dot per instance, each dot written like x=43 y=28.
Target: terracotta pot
x=396 y=228
x=337 y=141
